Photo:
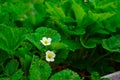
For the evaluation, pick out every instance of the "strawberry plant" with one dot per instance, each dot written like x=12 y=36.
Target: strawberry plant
x=59 y=39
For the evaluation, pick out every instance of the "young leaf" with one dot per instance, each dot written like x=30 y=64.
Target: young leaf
x=65 y=75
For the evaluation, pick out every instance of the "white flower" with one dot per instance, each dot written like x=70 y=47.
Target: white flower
x=46 y=41
x=50 y=55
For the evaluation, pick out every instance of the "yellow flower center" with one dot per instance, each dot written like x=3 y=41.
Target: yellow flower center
x=46 y=41
x=50 y=56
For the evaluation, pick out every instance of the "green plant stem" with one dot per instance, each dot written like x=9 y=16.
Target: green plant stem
x=101 y=57
x=93 y=52
x=82 y=50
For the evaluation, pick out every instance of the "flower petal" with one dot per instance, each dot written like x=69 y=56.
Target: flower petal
x=49 y=39
x=52 y=60
x=47 y=59
x=44 y=38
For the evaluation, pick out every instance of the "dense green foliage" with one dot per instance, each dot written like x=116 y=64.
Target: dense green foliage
x=83 y=36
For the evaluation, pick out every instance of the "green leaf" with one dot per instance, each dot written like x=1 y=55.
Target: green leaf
x=65 y=75
x=48 y=32
x=56 y=12
x=62 y=51
x=25 y=62
x=77 y=31
x=43 y=32
x=90 y=43
x=72 y=45
x=106 y=6
x=39 y=69
x=11 y=38
x=11 y=67
x=102 y=31
x=99 y=28
x=95 y=76
x=99 y=16
x=79 y=12
x=58 y=46
x=21 y=52
x=109 y=25
x=112 y=44
x=37 y=13
x=17 y=75
x=60 y=12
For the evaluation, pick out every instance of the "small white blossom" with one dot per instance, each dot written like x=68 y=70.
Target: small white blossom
x=50 y=55
x=46 y=41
